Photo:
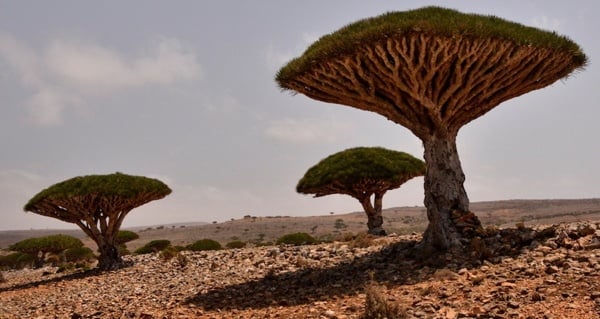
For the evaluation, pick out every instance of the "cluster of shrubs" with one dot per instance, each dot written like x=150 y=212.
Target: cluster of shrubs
x=59 y=250
x=67 y=251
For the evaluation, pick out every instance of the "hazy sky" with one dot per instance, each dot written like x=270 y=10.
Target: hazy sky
x=183 y=91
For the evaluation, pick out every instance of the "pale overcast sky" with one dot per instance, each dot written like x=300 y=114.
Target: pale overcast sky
x=183 y=91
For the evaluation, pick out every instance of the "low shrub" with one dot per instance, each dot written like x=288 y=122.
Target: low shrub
x=40 y=247
x=2 y=277
x=235 y=244
x=362 y=240
x=81 y=254
x=204 y=244
x=125 y=236
x=296 y=239
x=153 y=246
x=123 y=250
x=16 y=260
x=378 y=306
x=168 y=253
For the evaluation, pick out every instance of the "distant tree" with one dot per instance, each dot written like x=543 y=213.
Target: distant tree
x=98 y=204
x=40 y=247
x=363 y=173
x=433 y=70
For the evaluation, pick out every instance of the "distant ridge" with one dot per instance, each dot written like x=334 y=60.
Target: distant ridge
x=501 y=213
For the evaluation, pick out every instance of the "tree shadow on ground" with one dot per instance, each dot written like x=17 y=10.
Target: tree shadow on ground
x=80 y=274
x=402 y=263
x=302 y=286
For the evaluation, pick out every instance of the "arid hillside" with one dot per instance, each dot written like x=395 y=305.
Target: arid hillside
x=518 y=272
x=400 y=220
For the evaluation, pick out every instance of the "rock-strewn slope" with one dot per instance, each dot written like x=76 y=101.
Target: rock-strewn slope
x=516 y=273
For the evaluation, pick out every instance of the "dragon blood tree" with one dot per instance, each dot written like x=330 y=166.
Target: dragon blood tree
x=98 y=204
x=363 y=173
x=433 y=70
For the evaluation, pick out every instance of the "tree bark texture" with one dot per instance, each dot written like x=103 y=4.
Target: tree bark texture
x=425 y=82
x=100 y=217
x=450 y=221
x=433 y=85
x=374 y=215
x=109 y=258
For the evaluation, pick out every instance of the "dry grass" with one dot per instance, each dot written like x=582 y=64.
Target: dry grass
x=379 y=306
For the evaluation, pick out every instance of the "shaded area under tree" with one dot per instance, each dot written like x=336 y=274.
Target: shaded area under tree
x=396 y=264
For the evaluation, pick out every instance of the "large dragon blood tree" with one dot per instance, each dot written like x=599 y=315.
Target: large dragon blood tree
x=433 y=70
x=98 y=204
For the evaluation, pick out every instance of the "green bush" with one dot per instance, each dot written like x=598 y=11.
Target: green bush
x=235 y=244
x=123 y=250
x=153 y=246
x=296 y=239
x=16 y=260
x=79 y=254
x=39 y=247
x=48 y=244
x=204 y=244
x=125 y=236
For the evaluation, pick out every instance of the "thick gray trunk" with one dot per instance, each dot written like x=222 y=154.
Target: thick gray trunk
x=109 y=258
x=445 y=197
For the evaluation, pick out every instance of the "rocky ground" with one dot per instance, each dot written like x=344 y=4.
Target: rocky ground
x=546 y=272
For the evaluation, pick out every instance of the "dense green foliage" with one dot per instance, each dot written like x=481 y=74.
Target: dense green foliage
x=357 y=164
x=79 y=254
x=296 y=239
x=204 y=244
x=125 y=236
x=16 y=260
x=235 y=244
x=39 y=247
x=153 y=246
x=432 y=20
x=98 y=204
x=117 y=184
x=48 y=244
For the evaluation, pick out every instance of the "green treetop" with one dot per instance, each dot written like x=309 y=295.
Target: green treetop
x=98 y=204
x=362 y=172
x=433 y=70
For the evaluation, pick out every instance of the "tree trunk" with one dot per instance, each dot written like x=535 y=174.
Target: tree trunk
x=109 y=258
x=374 y=217
x=450 y=221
